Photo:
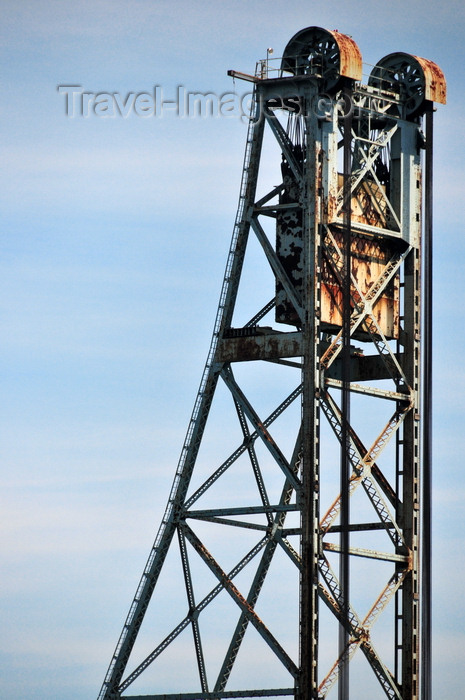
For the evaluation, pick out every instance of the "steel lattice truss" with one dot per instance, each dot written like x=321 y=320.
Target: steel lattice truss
x=273 y=495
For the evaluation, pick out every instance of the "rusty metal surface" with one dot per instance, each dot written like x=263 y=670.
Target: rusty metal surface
x=323 y=53
x=350 y=57
x=418 y=81
x=435 y=81
x=368 y=204
x=260 y=347
x=369 y=257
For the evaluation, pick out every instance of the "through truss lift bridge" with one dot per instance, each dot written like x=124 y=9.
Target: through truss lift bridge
x=298 y=526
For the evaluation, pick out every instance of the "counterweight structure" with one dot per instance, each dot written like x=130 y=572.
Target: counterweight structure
x=300 y=530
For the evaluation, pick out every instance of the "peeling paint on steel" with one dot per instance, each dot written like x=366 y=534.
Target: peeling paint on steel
x=435 y=81
x=350 y=57
x=301 y=56
x=260 y=347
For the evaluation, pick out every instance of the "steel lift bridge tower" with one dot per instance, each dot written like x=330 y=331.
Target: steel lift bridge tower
x=293 y=557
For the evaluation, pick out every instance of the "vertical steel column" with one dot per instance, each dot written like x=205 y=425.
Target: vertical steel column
x=426 y=643
x=344 y=568
x=411 y=483
x=310 y=414
x=406 y=193
x=411 y=472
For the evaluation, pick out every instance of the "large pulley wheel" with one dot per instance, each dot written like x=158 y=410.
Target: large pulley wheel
x=402 y=74
x=326 y=55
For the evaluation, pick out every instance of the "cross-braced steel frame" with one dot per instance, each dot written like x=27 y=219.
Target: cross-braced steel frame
x=346 y=275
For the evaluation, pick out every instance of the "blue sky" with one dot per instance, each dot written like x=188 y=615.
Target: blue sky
x=114 y=238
